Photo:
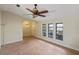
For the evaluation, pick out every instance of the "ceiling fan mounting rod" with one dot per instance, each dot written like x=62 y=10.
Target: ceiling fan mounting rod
x=35 y=4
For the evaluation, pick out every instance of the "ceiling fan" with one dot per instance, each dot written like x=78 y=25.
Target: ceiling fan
x=35 y=12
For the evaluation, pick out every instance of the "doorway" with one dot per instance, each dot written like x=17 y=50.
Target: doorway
x=29 y=28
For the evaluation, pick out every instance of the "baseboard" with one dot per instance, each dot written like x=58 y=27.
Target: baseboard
x=66 y=47
x=28 y=36
x=11 y=42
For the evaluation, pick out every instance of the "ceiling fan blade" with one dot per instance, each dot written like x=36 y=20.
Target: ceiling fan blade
x=42 y=15
x=29 y=10
x=45 y=11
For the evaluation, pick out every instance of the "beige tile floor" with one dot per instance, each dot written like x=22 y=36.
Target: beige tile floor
x=34 y=46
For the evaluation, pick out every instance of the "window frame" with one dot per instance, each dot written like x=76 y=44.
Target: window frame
x=44 y=29
x=52 y=30
x=56 y=30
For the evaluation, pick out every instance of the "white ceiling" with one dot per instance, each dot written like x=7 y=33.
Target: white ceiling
x=55 y=10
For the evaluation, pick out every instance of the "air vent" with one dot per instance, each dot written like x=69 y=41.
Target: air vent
x=18 y=5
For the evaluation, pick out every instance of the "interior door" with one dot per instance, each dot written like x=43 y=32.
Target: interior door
x=2 y=33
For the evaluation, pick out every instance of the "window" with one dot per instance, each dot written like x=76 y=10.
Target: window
x=44 y=29
x=59 y=31
x=50 y=30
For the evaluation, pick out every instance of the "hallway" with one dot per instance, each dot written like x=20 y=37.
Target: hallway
x=34 y=46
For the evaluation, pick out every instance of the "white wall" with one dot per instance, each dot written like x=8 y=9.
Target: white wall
x=12 y=28
x=71 y=32
x=33 y=27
